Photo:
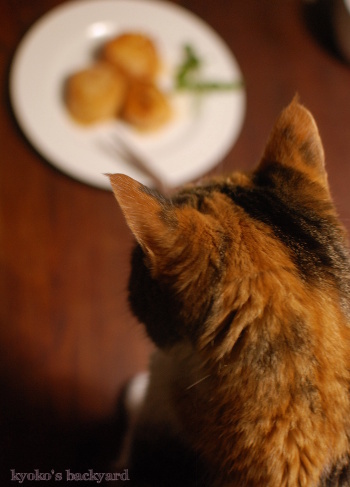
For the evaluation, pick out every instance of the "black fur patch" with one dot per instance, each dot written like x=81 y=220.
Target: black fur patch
x=167 y=319
x=339 y=476
x=312 y=239
x=159 y=460
x=153 y=303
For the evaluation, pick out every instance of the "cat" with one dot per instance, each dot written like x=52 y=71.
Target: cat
x=242 y=282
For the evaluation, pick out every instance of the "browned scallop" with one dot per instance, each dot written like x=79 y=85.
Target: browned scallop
x=95 y=93
x=135 y=54
x=146 y=106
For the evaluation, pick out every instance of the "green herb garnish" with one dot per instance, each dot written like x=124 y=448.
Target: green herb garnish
x=187 y=75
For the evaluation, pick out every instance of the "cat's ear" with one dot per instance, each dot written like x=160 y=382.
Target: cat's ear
x=295 y=141
x=148 y=214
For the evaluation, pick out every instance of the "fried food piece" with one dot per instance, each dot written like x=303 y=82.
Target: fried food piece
x=134 y=54
x=146 y=107
x=95 y=93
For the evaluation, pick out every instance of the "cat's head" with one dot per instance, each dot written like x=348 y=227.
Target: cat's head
x=213 y=258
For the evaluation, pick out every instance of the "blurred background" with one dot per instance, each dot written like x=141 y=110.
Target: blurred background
x=68 y=342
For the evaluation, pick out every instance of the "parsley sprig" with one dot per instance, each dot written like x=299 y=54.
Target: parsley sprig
x=187 y=75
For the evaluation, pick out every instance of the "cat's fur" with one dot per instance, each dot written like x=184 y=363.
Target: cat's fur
x=243 y=284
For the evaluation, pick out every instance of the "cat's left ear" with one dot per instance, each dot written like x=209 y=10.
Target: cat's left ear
x=295 y=141
x=148 y=214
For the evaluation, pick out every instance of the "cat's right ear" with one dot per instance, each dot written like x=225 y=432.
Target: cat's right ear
x=148 y=214
x=295 y=141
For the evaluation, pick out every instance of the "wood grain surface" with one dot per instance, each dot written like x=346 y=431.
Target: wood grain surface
x=68 y=341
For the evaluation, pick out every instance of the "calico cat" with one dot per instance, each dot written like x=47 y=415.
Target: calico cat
x=243 y=285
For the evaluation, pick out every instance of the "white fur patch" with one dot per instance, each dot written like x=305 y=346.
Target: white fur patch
x=135 y=393
x=134 y=399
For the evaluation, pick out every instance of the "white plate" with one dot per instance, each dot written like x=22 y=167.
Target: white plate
x=66 y=38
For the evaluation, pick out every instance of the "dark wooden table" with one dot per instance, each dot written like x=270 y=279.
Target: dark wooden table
x=67 y=339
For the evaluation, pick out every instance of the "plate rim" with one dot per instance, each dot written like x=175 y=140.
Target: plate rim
x=45 y=150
